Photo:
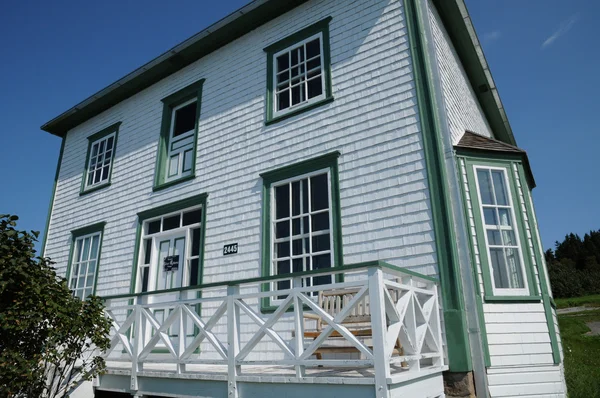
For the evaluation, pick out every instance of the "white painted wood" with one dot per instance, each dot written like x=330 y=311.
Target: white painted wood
x=378 y=325
x=233 y=341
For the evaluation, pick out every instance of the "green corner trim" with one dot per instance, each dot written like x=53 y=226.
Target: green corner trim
x=478 y=294
x=56 y=174
x=330 y=161
x=547 y=300
x=113 y=128
x=459 y=355
x=76 y=233
x=319 y=27
x=187 y=93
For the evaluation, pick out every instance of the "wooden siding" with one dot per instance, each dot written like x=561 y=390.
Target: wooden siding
x=462 y=107
x=373 y=122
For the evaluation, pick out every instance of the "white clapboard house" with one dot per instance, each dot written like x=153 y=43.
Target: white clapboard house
x=309 y=198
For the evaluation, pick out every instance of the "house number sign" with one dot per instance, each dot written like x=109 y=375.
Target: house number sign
x=171 y=263
x=231 y=248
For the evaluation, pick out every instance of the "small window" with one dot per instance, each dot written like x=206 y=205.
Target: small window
x=179 y=134
x=299 y=71
x=84 y=260
x=100 y=159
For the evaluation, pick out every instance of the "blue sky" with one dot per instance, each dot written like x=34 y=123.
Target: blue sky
x=543 y=55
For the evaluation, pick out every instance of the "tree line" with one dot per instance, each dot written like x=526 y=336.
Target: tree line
x=574 y=265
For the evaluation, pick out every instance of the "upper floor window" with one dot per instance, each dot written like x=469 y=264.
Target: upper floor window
x=176 y=161
x=84 y=260
x=299 y=74
x=100 y=159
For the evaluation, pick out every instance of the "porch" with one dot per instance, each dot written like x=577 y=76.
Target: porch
x=279 y=336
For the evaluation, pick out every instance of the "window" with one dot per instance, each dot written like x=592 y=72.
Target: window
x=171 y=249
x=84 y=260
x=100 y=158
x=302 y=220
x=299 y=75
x=502 y=247
x=501 y=236
x=176 y=160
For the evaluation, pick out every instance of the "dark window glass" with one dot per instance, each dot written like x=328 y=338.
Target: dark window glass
x=283 y=62
x=283 y=267
x=297 y=265
x=105 y=172
x=185 y=119
x=147 y=251
x=320 y=243
x=296 y=226
x=171 y=222
x=109 y=143
x=305 y=196
x=322 y=262
x=194 y=264
x=297 y=247
x=192 y=217
x=196 y=242
x=312 y=48
x=145 y=279
x=319 y=192
x=283 y=249
x=154 y=227
x=282 y=201
x=315 y=88
x=282 y=229
x=283 y=100
x=297 y=92
x=295 y=198
x=320 y=221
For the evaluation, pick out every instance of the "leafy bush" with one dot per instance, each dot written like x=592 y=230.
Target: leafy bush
x=49 y=339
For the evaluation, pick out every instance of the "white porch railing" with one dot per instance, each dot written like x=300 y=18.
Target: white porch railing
x=222 y=325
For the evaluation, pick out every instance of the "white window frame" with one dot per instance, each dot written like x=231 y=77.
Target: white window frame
x=152 y=276
x=273 y=260
x=76 y=265
x=88 y=170
x=180 y=150
x=515 y=228
x=307 y=102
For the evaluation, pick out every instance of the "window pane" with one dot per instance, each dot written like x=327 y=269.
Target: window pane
x=185 y=119
x=313 y=48
x=154 y=227
x=514 y=269
x=78 y=247
x=194 y=264
x=283 y=267
x=109 y=143
x=298 y=265
x=282 y=201
x=297 y=94
x=320 y=222
x=86 y=249
x=283 y=62
x=87 y=292
x=105 y=170
x=196 y=242
x=319 y=192
x=489 y=214
x=282 y=249
x=296 y=198
x=321 y=243
x=187 y=160
x=97 y=176
x=494 y=238
x=499 y=268
x=282 y=229
x=508 y=238
x=485 y=187
x=145 y=279
x=505 y=218
x=171 y=222
x=147 y=251
x=283 y=100
x=91 y=267
x=173 y=165
x=90 y=281
x=322 y=262
x=296 y=223
x=297 y=247
x=305 y=196
x=192 y=217
x=500 y=188
x=315 y=87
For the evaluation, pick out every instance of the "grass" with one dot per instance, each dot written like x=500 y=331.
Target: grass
x=582 y=354
x=585 y=301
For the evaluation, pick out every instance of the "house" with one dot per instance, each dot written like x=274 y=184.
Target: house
x=220 y=195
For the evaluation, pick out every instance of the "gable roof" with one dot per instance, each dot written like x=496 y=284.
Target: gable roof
x=453 y=13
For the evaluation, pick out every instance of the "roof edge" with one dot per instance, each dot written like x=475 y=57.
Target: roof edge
x=215 y=36
x=462 y=33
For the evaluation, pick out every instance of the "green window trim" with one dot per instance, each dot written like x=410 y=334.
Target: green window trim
x=269 y=178
x=321 y=27
x=112 y=129
x=533 y=294
x=193 y=91
x=77 y=233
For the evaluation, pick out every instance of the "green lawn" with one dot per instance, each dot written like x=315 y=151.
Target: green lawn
x=585 y=301
x=582 y=354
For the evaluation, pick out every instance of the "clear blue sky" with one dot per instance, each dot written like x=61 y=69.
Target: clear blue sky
x=543 y=55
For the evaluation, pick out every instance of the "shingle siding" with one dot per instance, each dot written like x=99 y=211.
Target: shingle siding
x=462 y=107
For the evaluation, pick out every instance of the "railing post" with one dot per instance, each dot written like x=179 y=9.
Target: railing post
x=138 y=345
x=233 y=341
x=381 y=362
x=299 y=327
x=182 y=336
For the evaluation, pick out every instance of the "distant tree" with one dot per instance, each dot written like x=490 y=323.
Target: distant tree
x=49 y=339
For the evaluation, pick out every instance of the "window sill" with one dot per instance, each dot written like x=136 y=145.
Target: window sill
x=166 y=185
x=513 y=299
x=298 y=111
x=94 y=189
